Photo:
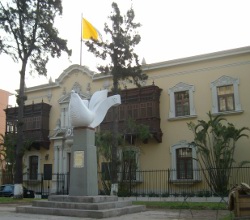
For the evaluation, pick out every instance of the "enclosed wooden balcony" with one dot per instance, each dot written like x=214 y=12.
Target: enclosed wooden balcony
x=36 y=124
x=140 y=104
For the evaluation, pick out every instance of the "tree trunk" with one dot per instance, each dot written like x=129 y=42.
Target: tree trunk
x=114 y=179
x=114 y=146
x=18 y=175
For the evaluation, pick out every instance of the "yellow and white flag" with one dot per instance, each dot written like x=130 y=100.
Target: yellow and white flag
x=89 y=31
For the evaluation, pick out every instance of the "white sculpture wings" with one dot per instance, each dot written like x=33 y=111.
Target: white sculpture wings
x=90 y=113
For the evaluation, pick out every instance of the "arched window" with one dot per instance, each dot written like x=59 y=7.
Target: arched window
x=184 y=164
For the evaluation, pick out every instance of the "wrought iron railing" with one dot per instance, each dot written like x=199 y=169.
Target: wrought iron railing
x=150 y=183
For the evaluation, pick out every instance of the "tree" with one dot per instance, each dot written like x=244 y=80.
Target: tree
x=129 y=143
x=103 y=141
x=135 y=135
x=215 y=143
x=2 y=153
x=124 y=61
x=8 y=142
x=28 y=37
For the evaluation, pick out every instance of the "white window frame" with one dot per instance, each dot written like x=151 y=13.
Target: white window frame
x=225 y=81
x=174 y=148
x=26 y=164
x=181 y=87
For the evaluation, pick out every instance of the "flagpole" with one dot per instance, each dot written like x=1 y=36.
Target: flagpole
x=81 y=43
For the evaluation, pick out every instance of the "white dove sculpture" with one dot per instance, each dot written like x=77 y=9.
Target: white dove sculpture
x=84 y=113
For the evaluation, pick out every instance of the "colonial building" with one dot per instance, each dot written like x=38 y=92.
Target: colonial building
x=176 y=93
x=4 y=101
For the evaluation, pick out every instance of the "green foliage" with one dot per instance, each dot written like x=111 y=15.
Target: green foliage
x=103 y=142
x=2 y=152
x=153 y=194
x=9 y=200
x=204 y=193
x=215 y=142
x=103 y=139
x=28 y=32
x=124 y=63
x=9 y=141
x=138 y=134
x=123 y=37
x=140 y=131
x=28 y=35
x=166 y=194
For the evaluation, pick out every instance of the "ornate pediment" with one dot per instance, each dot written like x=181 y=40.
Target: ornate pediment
x=59 y=133
x=64 y=99
x=224 y=80
x=77 y=88
x=72 y=70
x=181 y=87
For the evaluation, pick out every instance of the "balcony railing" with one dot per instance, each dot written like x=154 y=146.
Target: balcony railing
x=141 y=105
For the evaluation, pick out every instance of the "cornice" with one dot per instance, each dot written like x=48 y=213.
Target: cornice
x=40 y=87
x=145 y=67
x=198 y=58
x=60 y=79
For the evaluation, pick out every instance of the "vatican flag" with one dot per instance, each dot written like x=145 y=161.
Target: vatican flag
x=89 y=31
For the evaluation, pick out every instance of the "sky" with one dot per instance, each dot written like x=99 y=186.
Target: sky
x=171 y=29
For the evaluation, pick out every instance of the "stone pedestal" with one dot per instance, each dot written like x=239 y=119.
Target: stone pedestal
x=82 y=206
x=83 y=168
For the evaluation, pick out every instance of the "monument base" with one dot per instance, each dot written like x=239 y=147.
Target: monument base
x=83 y=171
x=82 y=206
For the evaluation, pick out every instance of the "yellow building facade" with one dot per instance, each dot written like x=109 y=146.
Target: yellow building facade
x=190 y=88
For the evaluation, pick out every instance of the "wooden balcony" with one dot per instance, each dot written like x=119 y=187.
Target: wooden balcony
x=140 y=104
x=36 y=124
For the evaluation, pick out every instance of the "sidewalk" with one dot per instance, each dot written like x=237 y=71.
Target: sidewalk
x=176 y=199
x=8 y=212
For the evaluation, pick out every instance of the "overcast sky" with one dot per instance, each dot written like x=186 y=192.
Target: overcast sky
x=170 y=29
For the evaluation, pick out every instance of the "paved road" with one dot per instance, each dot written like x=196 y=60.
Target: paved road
x=8 y=212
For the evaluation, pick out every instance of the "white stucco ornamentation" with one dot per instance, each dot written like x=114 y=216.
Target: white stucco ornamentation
x=90 y=113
